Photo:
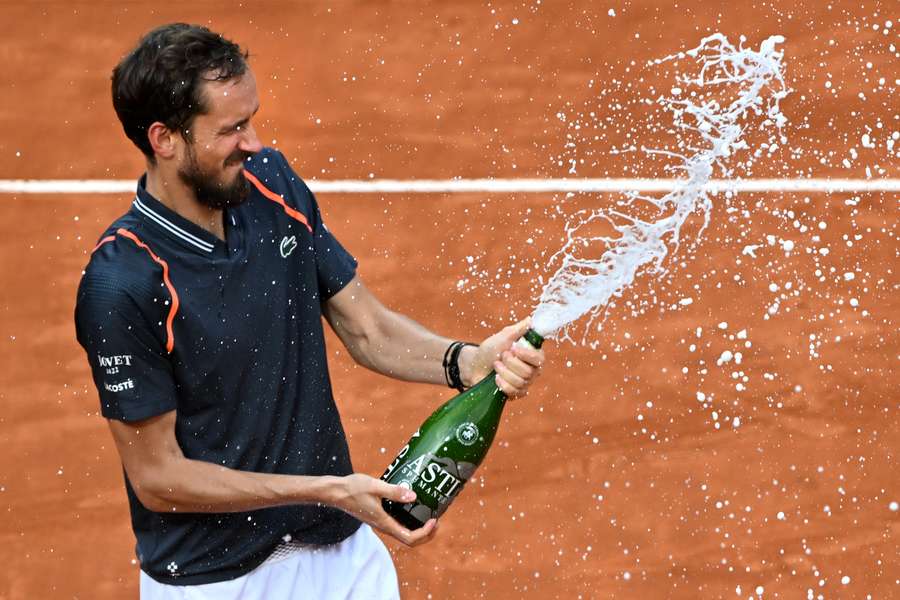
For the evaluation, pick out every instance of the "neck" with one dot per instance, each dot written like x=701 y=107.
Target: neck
x=177 y=196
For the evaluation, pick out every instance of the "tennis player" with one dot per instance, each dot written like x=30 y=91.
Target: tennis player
x=201 y=315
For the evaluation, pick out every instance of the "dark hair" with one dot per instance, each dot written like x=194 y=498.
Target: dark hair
x=160 y=80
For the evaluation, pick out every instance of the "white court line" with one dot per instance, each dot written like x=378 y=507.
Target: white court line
x=443 y=186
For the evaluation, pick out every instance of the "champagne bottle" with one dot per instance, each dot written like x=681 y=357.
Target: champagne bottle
x=444 y=453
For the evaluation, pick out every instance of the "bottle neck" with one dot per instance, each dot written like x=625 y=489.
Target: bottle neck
x=531 y=339
x=534 y=339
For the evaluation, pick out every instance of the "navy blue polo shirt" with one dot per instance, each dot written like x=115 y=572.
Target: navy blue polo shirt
x=229 y=335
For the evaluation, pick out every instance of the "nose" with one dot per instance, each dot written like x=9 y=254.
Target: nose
x=249 y=140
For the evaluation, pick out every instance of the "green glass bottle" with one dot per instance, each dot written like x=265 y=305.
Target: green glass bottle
x=444 y=453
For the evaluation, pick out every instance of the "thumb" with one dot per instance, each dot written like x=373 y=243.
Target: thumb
x=398 y=493
x=517 y=330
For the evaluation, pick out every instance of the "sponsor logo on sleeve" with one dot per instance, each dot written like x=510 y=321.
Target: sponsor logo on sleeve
x=128 y=384
x=113 y=363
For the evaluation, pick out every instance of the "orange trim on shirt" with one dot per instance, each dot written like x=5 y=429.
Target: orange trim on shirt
x=292 y=212
x=108 y=238
x=170 y=342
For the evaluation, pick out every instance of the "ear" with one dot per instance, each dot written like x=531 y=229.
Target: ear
x=163 y=140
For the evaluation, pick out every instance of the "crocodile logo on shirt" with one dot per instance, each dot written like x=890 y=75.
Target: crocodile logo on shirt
x=288 y=244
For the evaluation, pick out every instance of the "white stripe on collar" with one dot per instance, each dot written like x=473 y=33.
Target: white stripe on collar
x=172 y=227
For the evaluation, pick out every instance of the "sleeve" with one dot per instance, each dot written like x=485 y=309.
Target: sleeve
x=335 y=266
x=128 y=361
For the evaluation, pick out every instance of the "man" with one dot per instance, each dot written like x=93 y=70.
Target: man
x=201 y=315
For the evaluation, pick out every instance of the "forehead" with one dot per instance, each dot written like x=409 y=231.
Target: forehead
x=232 y=98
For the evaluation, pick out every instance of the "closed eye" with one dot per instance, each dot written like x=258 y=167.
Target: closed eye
x=234 y=128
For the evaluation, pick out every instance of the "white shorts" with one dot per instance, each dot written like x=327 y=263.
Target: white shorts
x=358 y=567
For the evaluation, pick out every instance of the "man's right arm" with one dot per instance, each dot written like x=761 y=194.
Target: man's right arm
x=164 y=480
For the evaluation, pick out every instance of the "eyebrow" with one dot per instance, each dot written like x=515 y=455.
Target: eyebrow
x=240 y=123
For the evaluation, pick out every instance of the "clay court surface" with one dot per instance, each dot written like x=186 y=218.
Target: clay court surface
x=611 y=480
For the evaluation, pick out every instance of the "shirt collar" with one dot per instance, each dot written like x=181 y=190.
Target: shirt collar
x=172 y=223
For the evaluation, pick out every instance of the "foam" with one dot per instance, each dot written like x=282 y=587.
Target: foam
x=582 y=285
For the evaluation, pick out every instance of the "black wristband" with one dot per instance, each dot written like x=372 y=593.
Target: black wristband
x=446 y=362
x=451 y=365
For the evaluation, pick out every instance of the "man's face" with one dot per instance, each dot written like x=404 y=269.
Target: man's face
x=223 y=138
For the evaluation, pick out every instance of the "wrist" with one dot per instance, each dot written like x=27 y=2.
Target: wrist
x=452 y=365
x=467 y=372
x=326 y=489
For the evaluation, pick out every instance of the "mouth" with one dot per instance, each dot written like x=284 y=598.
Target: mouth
x=237 y=161
x=234 y=164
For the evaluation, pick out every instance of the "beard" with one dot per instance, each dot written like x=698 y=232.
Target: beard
x=209 y=190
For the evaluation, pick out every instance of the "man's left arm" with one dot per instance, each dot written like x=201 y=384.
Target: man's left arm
x=392 y=344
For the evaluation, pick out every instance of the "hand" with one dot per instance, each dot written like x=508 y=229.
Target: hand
x=516 y=367
x=360 y=495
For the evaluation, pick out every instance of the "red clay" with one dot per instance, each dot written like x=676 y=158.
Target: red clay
x=610 y=480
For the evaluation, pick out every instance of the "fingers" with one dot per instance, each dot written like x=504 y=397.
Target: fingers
x=523 y=368
x=516 y=365
x=516 y=369
x=397 y=493
x=411 y=538
x=512 y=391
x=529 y=355
x=424 y=534
x=389 y=525
x=513 y=375
x=510 y=377
x=363 y=500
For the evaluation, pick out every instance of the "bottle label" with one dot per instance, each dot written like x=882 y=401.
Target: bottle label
x=435 y=479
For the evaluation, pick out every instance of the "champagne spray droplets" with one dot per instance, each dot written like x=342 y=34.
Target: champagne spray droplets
x=732 y=89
